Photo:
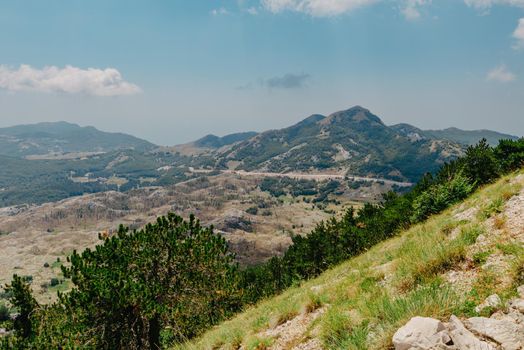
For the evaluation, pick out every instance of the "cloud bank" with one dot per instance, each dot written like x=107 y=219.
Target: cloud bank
x=68 y=80
x=315 y=8
x=410 y=9
x=501 y=74
x=484 y=5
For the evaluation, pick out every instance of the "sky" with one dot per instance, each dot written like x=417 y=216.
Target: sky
x=172 y=71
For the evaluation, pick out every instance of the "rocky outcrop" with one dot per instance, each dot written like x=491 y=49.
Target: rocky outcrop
x=421 y=333
x=463 y=339
x=504 y=332
x=501 y=331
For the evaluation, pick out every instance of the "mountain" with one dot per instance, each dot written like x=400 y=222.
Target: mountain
x=213 y=141
x=448 y=265
x=465 y=137
x=62 y=137
x=469 y=137
x=353 y=141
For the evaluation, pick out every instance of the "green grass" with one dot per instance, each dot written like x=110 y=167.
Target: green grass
x=367 y=298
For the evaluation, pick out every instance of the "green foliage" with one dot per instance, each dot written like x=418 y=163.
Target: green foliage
x=480 y=163
x=54 y=282
x=510 y=154
x=4 y=313
x=480 y=258
x=173 y=272
x=440 y=196
x=173 y=275
x=23 y=300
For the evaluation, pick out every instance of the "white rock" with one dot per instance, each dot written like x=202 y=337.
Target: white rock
x=520 y=290
x=518 y=304
x=421 y=333
x=491 y=301
x=464 y=339
x=508 y=334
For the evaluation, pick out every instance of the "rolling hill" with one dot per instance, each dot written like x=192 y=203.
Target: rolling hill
x=213 y=141
x=61 y=137
x=465 y=137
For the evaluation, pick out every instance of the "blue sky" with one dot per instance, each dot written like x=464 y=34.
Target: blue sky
x=172 y=71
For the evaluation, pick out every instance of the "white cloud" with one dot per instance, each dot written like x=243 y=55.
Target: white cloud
x=519 y=35
x=485 y=5
x=501 y=74
x=315 y=8
x=69 y=80
x=219 y=11
x=411 y=9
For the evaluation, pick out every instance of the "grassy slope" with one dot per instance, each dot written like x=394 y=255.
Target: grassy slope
x=366 y=299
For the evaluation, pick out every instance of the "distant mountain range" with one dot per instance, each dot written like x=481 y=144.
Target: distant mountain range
x=51 y=161
x=62 y=137
x=465 y=137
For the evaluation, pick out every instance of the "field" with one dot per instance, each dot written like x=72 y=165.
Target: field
x=257 y=215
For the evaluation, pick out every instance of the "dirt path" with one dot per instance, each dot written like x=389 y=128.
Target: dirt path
x=317 y=177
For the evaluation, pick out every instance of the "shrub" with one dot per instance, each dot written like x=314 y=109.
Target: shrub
x=440 y=196
x=4 y=313
x=252 y=210
x=54 y=282
x=480 y=163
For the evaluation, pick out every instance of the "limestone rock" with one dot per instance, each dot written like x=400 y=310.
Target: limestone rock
x=518 y=304
x=520 y=290
x=464 y=339
x=421 y=333
x=508 y=334
x=491 y=301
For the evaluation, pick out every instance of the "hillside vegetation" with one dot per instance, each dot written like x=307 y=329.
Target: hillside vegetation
x=353 y=141
x=446 y=265
x=172 y=280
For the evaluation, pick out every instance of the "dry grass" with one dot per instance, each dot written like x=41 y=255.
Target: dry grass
x=41 y=234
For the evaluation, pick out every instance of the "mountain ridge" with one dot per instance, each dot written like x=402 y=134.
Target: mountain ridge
x=352 y=140
x=466 y=137
x=64 y=137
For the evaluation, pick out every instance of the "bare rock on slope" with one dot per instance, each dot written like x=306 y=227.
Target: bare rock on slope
x=491 y=301
x=504 y=330
x=508 y=334
x=463 y=338
x=422 y=333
